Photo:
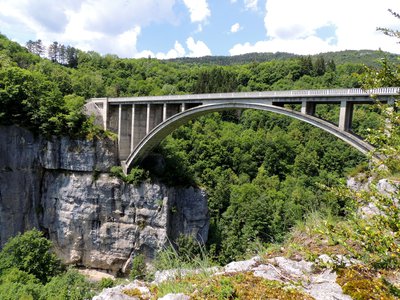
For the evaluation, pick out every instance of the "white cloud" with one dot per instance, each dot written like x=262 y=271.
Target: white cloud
x=251 y=4
x=100 y=25
x=199 y=28
x=293 y=26
x=299 y=46
x=197 y=49
x=177 y=51
x=198 y=9
x=235 y=28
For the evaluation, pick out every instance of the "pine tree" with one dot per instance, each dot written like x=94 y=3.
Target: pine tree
x=53 y=52
x=319 y=66
x=62 y=59
x=30 y=45
x=306 y=65
x=331 y=66
x=71 y=57
x=39 y=48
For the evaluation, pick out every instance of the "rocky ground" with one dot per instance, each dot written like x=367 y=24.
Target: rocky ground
x=309 y=280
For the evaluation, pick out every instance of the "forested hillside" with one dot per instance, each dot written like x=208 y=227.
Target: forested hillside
x=367 y=57
x=262 y=172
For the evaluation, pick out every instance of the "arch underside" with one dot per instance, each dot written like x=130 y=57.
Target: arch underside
x=165 y=128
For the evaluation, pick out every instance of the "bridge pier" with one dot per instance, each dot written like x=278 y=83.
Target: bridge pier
x=164 y=112
x=345 y=115
x=308 y=108
x=119 y=127
x=133 y=128
x=132 y=122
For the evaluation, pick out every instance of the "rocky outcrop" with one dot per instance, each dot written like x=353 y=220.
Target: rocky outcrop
x=62 y=187
x=307 y=277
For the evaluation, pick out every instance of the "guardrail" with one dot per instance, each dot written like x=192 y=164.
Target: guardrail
x=357 y=92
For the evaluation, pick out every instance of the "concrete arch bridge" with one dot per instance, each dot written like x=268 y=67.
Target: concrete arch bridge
x=141 y=123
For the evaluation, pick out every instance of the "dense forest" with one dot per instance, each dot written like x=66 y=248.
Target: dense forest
x=366 y=57
x=263 y=172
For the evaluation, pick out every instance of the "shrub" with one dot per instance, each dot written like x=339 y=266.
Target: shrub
x=17 y=284
x=30 y=252
x=138 y=267
x=70 y=285
x=135 y=176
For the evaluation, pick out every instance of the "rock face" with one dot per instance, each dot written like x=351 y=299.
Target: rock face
x=95 y=220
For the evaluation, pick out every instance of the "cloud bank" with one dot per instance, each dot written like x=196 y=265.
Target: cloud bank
x=298 y=26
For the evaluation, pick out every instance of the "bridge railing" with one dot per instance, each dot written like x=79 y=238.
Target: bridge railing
x=357 y=92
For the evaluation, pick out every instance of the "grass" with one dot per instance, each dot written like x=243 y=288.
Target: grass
x=308 y=239
x=189 y=254
x=228 y=286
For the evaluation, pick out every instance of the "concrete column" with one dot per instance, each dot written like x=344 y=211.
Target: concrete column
x=346 y=115
x=308 y=108
x=183 y=107
x=140 y=123
x=119 y=125
x=133 y=127
x=164 y=112
x=105 y=113
x=148 y=119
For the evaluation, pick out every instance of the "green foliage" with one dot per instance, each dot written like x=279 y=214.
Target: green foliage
x=185 y=253
x=136 y=175
x=375 y=237
x=215 y=80
x=17 y=284
x=30 y=252
x=139 y=270
x=262 y=174
x=235 y=286
x=68 y=286
x=106 y=283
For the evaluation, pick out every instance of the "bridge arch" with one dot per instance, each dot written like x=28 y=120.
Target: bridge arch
x=161 y=131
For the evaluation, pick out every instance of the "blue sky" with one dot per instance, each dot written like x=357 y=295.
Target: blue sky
x=176 y=28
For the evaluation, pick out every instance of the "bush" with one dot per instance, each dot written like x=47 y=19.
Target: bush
x=30 y=252
x=70 y=285
x=138 y=267
x=17 y=284
x=136 y=175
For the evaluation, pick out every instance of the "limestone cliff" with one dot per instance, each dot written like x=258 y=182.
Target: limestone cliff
x=62 y=187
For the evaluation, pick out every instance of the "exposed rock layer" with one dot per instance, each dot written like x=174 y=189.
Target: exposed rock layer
x=62 y=186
